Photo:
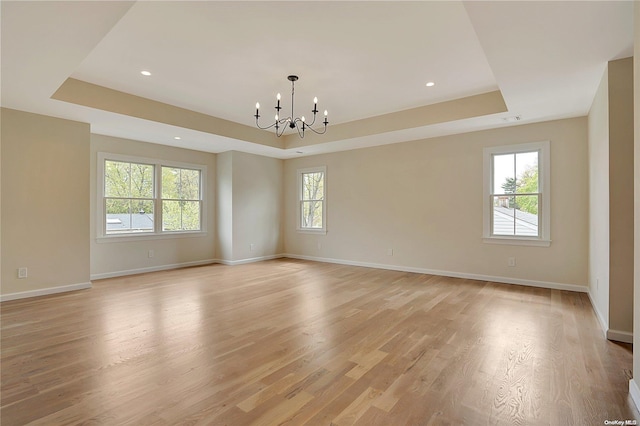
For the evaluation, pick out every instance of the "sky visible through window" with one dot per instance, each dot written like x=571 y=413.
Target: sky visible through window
x=509 y=166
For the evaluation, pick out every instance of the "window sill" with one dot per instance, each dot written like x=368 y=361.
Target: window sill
x=141 y=237
x=311 y=231
x=536 y=242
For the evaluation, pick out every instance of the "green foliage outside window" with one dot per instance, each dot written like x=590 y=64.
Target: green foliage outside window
x=312 y=199
x=180 y=199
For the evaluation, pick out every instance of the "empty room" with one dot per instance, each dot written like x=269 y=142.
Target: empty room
x=319 y=212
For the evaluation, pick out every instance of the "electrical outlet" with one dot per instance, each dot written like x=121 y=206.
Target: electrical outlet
x=151 y=253
x=22 y=273
x=319 y=245
x=390 y=252
x=251 y=246
x=511 y=262
x=597 y=283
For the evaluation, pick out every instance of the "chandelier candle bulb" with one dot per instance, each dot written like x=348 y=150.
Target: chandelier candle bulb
x=298 y=123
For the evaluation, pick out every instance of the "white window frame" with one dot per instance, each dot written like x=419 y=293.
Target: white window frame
x=544 y=188
x=299 y=228
x=158 y=233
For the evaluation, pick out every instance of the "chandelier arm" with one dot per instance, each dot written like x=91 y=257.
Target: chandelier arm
x=280 y=132
x=314 y=120
x=264 y=128
x=292 y=122
x=316 y=131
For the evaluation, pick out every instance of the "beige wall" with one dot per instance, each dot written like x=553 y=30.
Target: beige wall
x=45 y=209
x=423 y=200
x=621 y=195
x=634 y=384
x=224 y=205
x=257 y=206
x=611 y=200
x=118 y=258
x=250 y=212
x=599 y=201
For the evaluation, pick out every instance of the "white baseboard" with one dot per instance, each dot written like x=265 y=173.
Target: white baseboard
x=504 y=280
x=151 y=269
x=182 y=265
x=604 y=325
x=249 y=260
x=634 y=391
x=610 y=334
x=619 y=336
x=44 y=291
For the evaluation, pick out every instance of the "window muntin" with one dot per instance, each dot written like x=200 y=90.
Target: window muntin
x=516 y=194
x=312 y=199
x=141 y=196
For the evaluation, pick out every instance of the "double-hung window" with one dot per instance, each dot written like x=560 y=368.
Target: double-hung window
x=516 y=194
x=312 y=193
x=141 y=196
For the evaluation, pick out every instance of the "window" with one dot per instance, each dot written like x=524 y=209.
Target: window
x=516 y=199
x=138 y=196
x=312 y=199
x=181 y=202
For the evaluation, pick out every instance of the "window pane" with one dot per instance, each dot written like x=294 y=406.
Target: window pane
x=180 y=184
x=313 y=186
x=124 y=215
x=170 y=183
x=180 y=215
x=516 y=215
x=504 y=179
x=311 y=214
x=527 y=172
x=190 y=184
x=117 y=179
x=141 y=180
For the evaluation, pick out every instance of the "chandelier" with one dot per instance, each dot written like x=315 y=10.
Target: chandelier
x=298 y=123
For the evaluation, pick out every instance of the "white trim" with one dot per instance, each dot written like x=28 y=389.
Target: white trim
x=610 y=334
x=603 y=323
x=157 y=163
x=111 y=238
x=299 y=174
x=620 y=336
x=44 y=291
x=517 y=241
x=634 y=392
x=544 y=182
x=249 y=260
x=152 y=269
x=496 y=279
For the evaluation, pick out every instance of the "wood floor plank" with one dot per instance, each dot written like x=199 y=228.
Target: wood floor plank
x=295 y=342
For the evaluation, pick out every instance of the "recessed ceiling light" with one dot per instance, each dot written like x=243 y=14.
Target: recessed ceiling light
x=145 y=73
x=430 y=84
x=177 y=138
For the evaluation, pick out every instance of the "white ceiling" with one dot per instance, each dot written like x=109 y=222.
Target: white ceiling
x=361 y=59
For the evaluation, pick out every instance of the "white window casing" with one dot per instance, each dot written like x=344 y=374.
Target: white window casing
x=314 y=221
x=542 y=230
x=156 y=232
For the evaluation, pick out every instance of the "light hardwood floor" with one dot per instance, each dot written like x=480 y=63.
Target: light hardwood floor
x=295 y=342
